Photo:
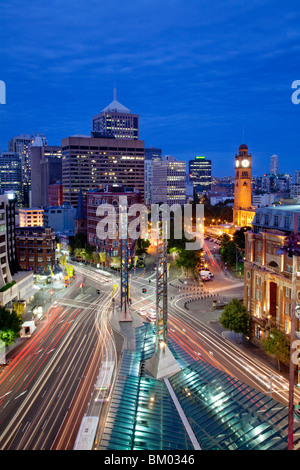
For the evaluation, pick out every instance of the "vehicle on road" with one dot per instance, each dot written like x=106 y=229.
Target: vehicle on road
x=104 y=380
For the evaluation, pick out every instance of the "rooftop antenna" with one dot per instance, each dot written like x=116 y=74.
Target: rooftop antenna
x=115 y=93
x=243 y=135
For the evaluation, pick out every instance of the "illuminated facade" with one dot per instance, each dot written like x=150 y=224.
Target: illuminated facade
x=117 y=120
x=91 y=162
x=268 y=272
x=200 y=173
x=169 y=181
x=243 y=212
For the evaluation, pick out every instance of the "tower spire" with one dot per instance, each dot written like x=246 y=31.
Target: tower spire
x=115 y=93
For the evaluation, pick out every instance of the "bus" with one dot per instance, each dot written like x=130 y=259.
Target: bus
x=104 y=380
x=86 y=434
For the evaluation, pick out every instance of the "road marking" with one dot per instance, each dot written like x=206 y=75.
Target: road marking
x=21 y=394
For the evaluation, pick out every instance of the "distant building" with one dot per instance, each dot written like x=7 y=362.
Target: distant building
x=35 y=248
x=22 y=144
x=169 y=181
x=274 y=164
x=31 y=217
x=11 y=174
x=60 y=218
x=55 y=194
x=117 y=120
x=46 y=168
x=297 y=177
x=151 y=155
x=277 y=182
x=200 y=173
x=80 y=222
x=295 y=191
x=263 y=199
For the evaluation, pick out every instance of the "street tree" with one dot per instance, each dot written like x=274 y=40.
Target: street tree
x=236 y=318
x=277 y=344
x=10 y=325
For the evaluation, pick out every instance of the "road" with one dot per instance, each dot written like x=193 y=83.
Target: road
x=194 y=326
x=45 y=388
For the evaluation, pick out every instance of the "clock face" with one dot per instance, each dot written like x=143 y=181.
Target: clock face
x=237 y=163
x=245 y=163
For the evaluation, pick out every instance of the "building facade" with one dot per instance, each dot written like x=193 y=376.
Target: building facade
x=14 y=285
x=169 y=181
x=117 y=120
x=33 y=217
x=11 y=174
x=200 y=173
x=243 y=211
x=35 y=248
x=46 y=168
x=22 y=144
x=91 y=162
x=60 y=218
x=268 y=270
x=111 y=194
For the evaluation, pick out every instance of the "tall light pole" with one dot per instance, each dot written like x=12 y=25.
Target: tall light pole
x=292 y=249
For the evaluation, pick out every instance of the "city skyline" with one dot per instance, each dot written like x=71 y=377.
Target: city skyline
x=199 y=78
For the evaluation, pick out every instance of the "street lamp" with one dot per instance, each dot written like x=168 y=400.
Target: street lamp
x=292 y=249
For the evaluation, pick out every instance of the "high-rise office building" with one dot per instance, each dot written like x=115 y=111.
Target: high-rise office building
x=92 y=162
x=117 y=120
x=297 y=177
x=169 y=181
x=11 y=174
x=274 y=164
x=200 y=173
x=21 y=144
x=46 y=168
x=152 y=154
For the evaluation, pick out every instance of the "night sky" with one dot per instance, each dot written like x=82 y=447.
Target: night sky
x=197 y=73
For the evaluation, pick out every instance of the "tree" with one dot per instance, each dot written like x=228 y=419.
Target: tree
x=235 y=317
x=277 y=343
x=10 y=325
x=188 y=259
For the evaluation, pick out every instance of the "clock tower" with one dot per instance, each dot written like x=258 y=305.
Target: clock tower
x=243 y=212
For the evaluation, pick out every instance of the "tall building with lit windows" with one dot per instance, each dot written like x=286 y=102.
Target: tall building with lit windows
x=93 y=162
x=169 y=181
x=117 y=120
x=200 y=173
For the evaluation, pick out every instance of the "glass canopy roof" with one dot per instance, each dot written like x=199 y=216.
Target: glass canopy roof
x=224 y=413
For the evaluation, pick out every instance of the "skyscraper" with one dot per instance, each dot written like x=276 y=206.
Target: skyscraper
x=92 y=162
x=152 y=154
x=21 y=144
x=117 y=120
x=200 y=173
x=169 y=181
x=274 y=164
x=11 y=174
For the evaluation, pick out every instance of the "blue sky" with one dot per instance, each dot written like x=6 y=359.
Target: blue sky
x=197 y=73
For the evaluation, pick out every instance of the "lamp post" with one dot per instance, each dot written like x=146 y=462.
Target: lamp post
x=292 y=249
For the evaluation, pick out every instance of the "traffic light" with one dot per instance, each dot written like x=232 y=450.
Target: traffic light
x=98 y=291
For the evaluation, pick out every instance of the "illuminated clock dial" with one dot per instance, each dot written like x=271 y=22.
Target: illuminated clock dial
x=237 y=163
x=245 y=163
